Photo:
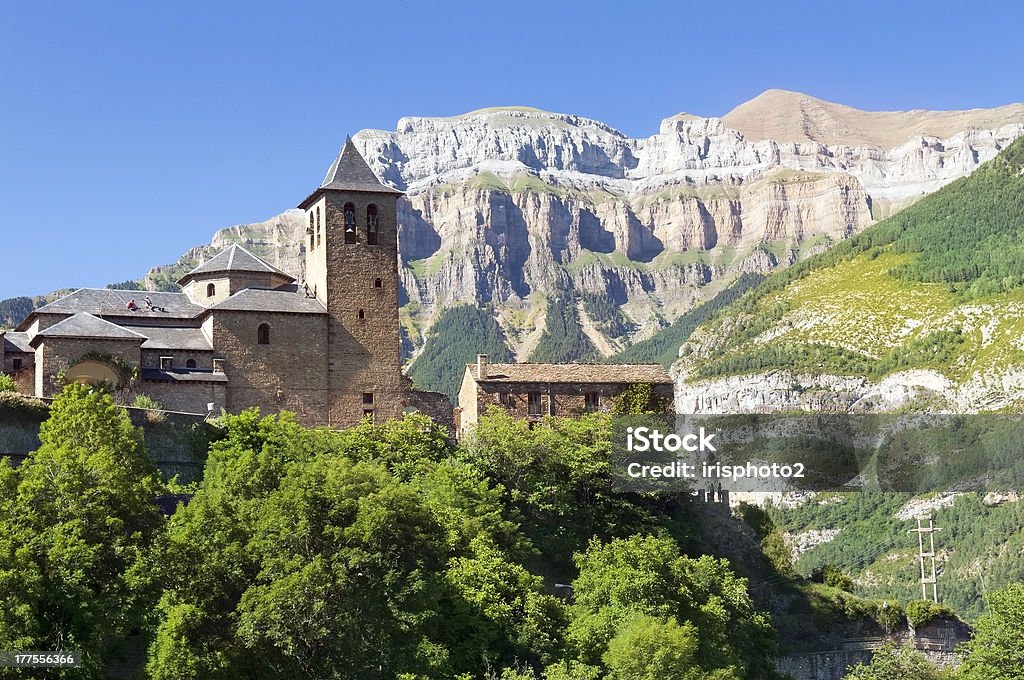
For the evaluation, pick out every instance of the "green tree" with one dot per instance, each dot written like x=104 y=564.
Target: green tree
x=77 y=526
x=997 y=650
x=367 y=553
x=7 y=383
x=646 y=575
x=639 y=398
x=897 y=663
x=648 y=648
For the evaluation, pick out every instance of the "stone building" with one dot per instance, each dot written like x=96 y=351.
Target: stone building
x=533 y=391
x=243 y=333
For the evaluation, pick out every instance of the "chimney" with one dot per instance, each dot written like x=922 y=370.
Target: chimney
x=481 y=366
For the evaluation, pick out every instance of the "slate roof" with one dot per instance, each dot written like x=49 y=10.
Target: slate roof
x=349 y=172
x=16 y=342
x=105 y=302
x=235 y=258
x=265 y=300
x=184 y=375
x=612 y=374
x=84 y=325
x=163 y=337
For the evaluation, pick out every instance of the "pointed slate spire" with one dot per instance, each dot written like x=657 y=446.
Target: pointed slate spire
x=349 y=172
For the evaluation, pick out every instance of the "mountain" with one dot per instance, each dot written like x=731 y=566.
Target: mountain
x=522 y=210
x=785 y=116
x=922 y=310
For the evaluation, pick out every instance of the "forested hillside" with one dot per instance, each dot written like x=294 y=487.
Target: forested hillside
x=455 y=339
x=937 y=286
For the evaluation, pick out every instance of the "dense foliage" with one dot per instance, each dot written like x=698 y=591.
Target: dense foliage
x=382 y=551
x=663 y=346
x=455 y=339
x=997 y=650
x=607 y=315
x=78 y=527
x=563 y=340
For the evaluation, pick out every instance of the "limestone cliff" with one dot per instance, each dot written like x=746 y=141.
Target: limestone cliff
x=511 y=206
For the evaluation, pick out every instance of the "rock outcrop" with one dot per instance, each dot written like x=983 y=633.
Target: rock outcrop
x=509 y=206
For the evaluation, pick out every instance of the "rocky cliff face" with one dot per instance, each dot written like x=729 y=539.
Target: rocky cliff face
x=512 y=206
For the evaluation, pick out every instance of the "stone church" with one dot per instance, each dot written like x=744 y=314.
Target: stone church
x=243 y=333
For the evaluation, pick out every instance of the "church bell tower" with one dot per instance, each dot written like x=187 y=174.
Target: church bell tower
x=352 y=269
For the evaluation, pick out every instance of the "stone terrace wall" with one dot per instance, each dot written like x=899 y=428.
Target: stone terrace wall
x=176 y=442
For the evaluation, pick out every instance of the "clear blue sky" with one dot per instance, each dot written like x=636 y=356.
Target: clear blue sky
x=131 y=131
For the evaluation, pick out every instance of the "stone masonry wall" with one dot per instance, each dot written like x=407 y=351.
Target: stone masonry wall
x=189 y=397
x=203 y=359
x=289 y=374
x=364 y=328
x=56 y=354
x=568 y=399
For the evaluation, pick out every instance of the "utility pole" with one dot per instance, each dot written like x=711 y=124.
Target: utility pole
x=926 y=579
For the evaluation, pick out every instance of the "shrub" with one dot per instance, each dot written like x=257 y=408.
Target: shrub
x=921 y=612
x=7 y=384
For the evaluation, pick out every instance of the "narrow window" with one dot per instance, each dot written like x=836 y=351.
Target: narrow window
x=310 y=231
x=367 y=397
x=371 y=225
x=350 y=223
x=191 y=363
x=263 y=334
x=362 y=314
x=377 y=283
x=593 y=401
x=319 y=232
x=218 y=365
x=506 y=399
x=211 y=290
x=16 y=364
x=166 y=363
x=533 y=404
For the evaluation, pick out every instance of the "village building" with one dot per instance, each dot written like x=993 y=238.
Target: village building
x=534 y=391
x=242 y=333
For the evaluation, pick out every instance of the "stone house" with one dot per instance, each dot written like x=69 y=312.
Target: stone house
x=243 y=333
x=533 y=391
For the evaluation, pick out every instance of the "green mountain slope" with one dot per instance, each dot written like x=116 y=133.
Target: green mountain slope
x=454 y=340
x=939 y=286
x=977 y=550
x=663 y=346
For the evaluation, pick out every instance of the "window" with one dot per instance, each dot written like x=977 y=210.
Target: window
x=362 y=314
x=371 y=225
x=16 y=364
x=350 y=223
x=367 y=397
x=218 y=365
x=533 y=407
x=593 y=401
x=191 y=363
x=263 y=334
x=505 y=398
x=310 y=231
x=377 y=283
x=319 y=232
x=166 y=363
x=211 y=290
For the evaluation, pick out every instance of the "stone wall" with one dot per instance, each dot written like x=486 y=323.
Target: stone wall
x=203 y=359
x=289 y=374
x=555 y=399
x=187 y=397
x=54 y=355
x=176 y=443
